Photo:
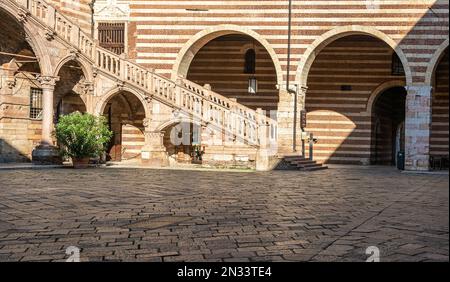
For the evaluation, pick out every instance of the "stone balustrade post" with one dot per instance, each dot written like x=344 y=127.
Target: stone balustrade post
x=153 y=153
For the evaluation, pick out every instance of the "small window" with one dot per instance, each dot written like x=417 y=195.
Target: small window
x=36 y=103
x=250 y=62
x=111 y=36
x=397 y=66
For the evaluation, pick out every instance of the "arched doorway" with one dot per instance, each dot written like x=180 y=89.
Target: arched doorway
x=388 y=126
x=341 y=80
x=183 y=142
x=125 y=114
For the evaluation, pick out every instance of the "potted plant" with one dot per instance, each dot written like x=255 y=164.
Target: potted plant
x=81 y=137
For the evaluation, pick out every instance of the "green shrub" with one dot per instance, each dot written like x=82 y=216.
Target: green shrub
x=82 y=135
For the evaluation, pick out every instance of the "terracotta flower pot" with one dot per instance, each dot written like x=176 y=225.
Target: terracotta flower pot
x=80 y=162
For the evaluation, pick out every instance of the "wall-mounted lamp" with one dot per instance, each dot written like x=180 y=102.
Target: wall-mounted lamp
x=252 y=85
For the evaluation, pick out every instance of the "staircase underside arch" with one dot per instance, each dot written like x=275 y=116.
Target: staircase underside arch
x=33 y=38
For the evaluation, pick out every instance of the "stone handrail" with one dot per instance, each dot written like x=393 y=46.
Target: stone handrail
x=246 y=124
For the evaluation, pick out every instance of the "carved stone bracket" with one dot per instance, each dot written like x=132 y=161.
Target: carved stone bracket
x=120 y=84
x=74 y=54
x=23 y=15
x=94 y=72
x=49 y=34
x=146 y=122
x=148 y=99
x=11 y=82
x=88 y=88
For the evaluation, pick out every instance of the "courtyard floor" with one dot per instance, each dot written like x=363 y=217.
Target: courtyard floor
x=118 y=214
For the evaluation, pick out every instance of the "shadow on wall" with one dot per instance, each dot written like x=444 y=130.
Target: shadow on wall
x=346 y=76
x=9 y=154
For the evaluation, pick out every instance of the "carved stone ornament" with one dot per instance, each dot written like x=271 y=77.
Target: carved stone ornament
x=146 y=122
x=74 y=54
x=49 y=34
x=48 y=81
x=11 y=82
x=120 y=84
x=23 y=15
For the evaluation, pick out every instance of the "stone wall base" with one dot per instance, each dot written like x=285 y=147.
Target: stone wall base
x=154 y=158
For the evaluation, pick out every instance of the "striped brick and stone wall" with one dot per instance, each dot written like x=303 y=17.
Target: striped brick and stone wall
x=221 y=63
x=78 y=10
x=341 y=82
x=164 y=27
x=440 y=109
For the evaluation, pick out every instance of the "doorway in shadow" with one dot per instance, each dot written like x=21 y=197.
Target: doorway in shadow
x=388 y=126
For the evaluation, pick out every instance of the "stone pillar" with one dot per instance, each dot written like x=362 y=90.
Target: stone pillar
x=264 y=154
x=46 y=152
x=154 y=153
x=285 y=117
x=418 y=127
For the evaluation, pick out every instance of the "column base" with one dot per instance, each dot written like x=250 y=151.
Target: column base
x=46 y=155
x=418 y=165
x=154 y=158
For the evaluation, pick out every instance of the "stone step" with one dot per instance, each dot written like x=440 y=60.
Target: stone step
x=297 y=162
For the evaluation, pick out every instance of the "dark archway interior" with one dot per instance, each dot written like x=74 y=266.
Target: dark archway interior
x=222 y=64
x=125 y=114
x=182 y=142
x=68 y=90
x=388 y=131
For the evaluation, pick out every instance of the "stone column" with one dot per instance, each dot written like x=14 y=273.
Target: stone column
x=418 y=127
x=285 y=117
x=46 y=152
x=154 y=153
x=264 y=154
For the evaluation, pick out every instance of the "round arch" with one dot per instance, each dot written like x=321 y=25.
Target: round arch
x=319 y=44
x=379 y=90
x=190 y=49
x=163 y=126
x=33 y=38
x=101 y=104
x=435 y=60
x=85 y=67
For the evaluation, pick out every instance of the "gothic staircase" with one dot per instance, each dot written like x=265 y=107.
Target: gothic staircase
x=297 y=162
x=247 y=125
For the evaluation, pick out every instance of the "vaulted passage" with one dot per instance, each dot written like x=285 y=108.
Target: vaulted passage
x=20 y=114
x=388 y=126
x=70 y=90
x=228 y=63
x=125 y=114
x=342 y=80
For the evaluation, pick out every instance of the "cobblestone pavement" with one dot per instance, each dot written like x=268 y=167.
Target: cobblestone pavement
x=168 y=215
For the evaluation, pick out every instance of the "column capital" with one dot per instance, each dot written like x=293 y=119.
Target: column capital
x=48 y=82
x=419 y=90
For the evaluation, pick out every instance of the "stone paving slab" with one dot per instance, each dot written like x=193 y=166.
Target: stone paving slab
x=332 y=215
